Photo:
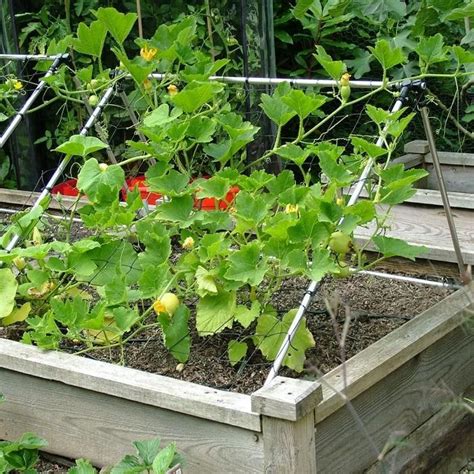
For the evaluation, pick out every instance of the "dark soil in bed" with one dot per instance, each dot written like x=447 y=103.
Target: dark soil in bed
x=375 y=307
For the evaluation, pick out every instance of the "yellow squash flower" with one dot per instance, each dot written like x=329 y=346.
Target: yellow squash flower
x=290 y=208
x=17 y=85
x=147 y=85
x=345 y=88
x=148 y=53
x=172 y=90
x=345 y=78
x=188 y=243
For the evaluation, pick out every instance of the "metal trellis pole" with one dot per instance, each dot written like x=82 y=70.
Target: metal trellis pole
x=33 y=57
x=464 y=273
x=274 y=81
x=315 y=285
x=63 y=164
x=29 y=102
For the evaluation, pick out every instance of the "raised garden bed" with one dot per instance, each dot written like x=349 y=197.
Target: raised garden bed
x=458 y=173
x=398 y=386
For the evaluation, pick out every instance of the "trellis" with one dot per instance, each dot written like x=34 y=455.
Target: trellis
x=408 y=90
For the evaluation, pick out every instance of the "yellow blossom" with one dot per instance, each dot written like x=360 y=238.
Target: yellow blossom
x=148 y=53
x=159 y=307
x=168 y=303
x=345 y=79
x=147 y=85
x=172 y=90
x=17 y=85
x=188 y=243
x=291 y=208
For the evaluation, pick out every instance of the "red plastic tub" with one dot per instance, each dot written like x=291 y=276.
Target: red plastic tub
x=209 y=204
x=66 y=188
x=145 y=194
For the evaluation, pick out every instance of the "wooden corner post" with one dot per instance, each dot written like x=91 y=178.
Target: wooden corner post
x=287 y=407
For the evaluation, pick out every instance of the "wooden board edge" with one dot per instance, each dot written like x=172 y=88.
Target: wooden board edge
x=19 y=198
x=79 y=423
x=451 y=158
x=386 y=355
x=432 y=197
x=435 y=252
x=427 y=441
x=131 y=384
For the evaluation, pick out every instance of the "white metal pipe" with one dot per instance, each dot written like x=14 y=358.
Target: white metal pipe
x=417 y=281
x=64 y=162
x=33 y=57
x=60 y=217
x=26 y=106
x=266 y=81
x=313 y=285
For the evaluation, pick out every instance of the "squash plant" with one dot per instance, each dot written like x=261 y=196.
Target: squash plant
x=180 y=265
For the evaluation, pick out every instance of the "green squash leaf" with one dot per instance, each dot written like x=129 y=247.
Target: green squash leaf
x=387 y=55
x=90 y=39
x=8 y=289
x=78 y=145
x=271 y=332
x=99 y=183
x=246 y=316
x=236 y=351
x=247 y=265
x=176 y=336
x=118 y=24
x=215 y=312
x=391 y=247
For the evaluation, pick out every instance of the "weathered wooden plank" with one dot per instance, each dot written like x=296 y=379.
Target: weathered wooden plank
x=287 y=409
x=84 y=423
x=432 y=197
x=371 y=365
x=451 y=158
x=396 y=405
x=289 y=447
x=19 y=198
x=130 y=384
x=410 y=160
x=420 y=225
x=456 y=178
x=285 y=398
x=435 y=439
x=417 y=146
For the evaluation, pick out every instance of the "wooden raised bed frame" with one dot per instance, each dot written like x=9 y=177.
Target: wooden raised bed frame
x=401 y=385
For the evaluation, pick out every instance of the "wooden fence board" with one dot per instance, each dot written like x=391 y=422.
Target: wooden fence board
x=397 y=404
x=83 y=423
x=432 y=197
x=451 y=158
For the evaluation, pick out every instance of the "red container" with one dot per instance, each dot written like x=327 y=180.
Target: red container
x=209 y=204
x=67 y=188
x=145 y=194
